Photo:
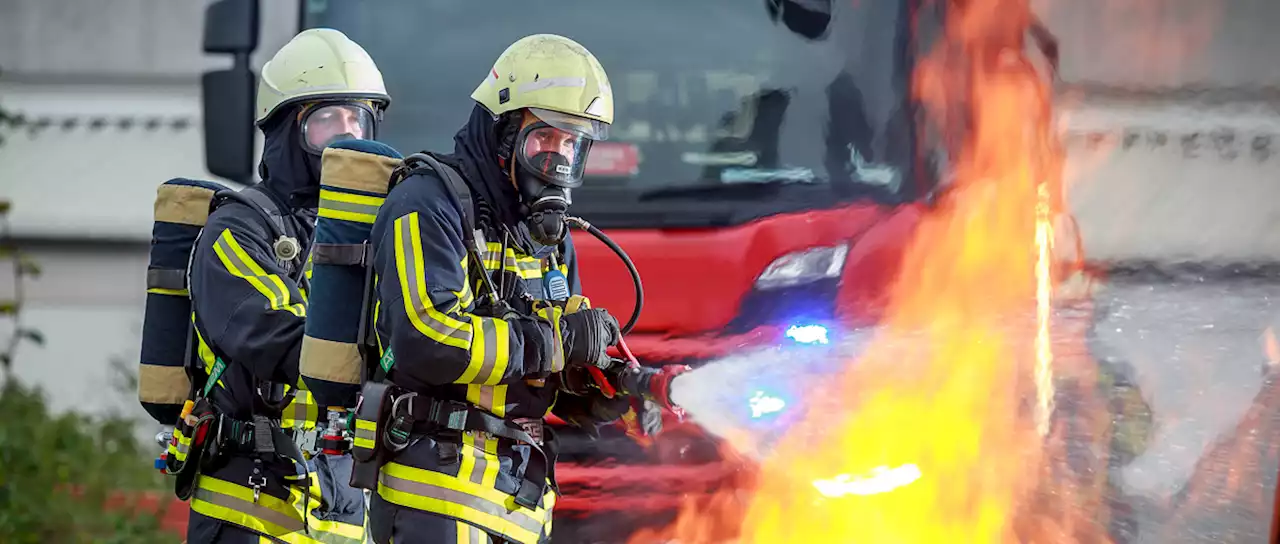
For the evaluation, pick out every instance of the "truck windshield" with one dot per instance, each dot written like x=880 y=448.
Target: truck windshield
x=805 y=98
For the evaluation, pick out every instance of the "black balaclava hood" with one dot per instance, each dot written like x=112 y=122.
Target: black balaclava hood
x=475 y=149
x=288 y=171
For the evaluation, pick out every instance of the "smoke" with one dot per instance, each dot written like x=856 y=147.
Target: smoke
x=751 y=398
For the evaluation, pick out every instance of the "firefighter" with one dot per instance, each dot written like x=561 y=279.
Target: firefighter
x=468 y=459
x=248 y=289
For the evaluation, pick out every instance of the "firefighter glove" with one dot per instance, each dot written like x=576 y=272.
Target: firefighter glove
x=587 y=335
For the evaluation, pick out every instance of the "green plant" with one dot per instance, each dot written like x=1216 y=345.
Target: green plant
x=24 y=267
x=71 y=478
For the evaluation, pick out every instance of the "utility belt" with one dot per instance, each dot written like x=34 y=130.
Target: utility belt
x=389 y=418
x=212 y=437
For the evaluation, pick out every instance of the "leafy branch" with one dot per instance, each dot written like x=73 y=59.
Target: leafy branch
x=23 y=267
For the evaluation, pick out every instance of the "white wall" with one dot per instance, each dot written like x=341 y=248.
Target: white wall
x=1176 y=181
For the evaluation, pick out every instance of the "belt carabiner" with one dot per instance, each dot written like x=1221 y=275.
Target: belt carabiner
x=401 y=426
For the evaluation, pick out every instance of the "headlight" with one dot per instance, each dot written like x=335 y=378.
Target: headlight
x=803 y=267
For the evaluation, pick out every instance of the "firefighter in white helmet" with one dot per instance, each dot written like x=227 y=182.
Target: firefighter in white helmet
x=248 y=289
x=467 y=457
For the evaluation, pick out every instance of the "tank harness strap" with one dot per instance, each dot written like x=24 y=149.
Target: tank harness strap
x=424 y=414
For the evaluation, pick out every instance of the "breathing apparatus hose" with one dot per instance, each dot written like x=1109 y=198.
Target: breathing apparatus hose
x=626 y=260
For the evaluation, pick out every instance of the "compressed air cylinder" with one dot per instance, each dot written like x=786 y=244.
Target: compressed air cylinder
x=181 y=210
x=353 y=185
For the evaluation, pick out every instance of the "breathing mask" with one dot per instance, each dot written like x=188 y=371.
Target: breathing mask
x=551 y=156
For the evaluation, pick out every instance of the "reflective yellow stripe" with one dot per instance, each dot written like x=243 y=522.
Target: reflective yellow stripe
x=183 y=447
x=205 y=353
x=233 y=503
x=553 y=314
x=302 y=412
x=417 y=305
x=490 y=351
x=470 y=534
x=479 y=459
x=466 y=296
x=491 y=398
x=349 y=207
x=240 y=265
x=170 y=292
x=461 y=499
x=366 y=434
x=322 y=531
x=526 y=267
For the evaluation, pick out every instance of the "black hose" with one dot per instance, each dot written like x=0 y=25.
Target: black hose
x=631 y=267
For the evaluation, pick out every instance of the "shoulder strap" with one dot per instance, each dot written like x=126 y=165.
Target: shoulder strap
x=423 y=161
x=275 y=218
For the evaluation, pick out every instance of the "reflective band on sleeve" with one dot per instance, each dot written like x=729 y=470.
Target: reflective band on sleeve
x=233 y=503
x=239 y=264
x=489 y=351
x=460 y=499
x=490 y=398
x=425 y=318
x=553 y=314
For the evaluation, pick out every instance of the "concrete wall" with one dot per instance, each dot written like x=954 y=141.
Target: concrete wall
x=1173 y=113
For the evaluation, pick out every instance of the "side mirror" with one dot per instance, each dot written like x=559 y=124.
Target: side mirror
x=227 y=96
x=230 y=26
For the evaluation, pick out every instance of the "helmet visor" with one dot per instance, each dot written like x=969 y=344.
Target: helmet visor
x=557 y=156
x=587 y=128
x=325 y=124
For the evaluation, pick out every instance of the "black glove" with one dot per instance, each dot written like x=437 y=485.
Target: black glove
x=591 y=411
x=587 y=335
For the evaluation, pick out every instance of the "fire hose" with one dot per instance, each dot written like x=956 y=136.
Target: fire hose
x=614 y=376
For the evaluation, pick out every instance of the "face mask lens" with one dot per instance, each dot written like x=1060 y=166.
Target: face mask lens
x=557 y=156
x=327 y=124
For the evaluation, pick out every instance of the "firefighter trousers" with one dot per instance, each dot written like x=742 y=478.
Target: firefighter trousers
x=393 y=524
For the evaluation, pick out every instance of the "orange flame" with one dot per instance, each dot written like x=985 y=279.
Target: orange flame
x=938 y=432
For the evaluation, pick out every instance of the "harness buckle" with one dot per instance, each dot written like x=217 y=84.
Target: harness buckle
x=450 y=414
x=257 y=485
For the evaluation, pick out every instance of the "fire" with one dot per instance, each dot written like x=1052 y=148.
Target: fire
x=941 y=431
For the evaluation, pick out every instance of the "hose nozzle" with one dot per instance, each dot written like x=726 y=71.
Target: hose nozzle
x=653 y=384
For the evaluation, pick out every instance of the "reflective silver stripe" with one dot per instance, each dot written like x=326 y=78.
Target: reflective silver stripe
x=476 y=536
x=461 y=498
x=490 y=350
x=477 y=440
x=263 y=513
x=492 y=257
x=367 y=434
x=279 y=299
x=486 y=398
x=408 y=231
x=351 y=207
